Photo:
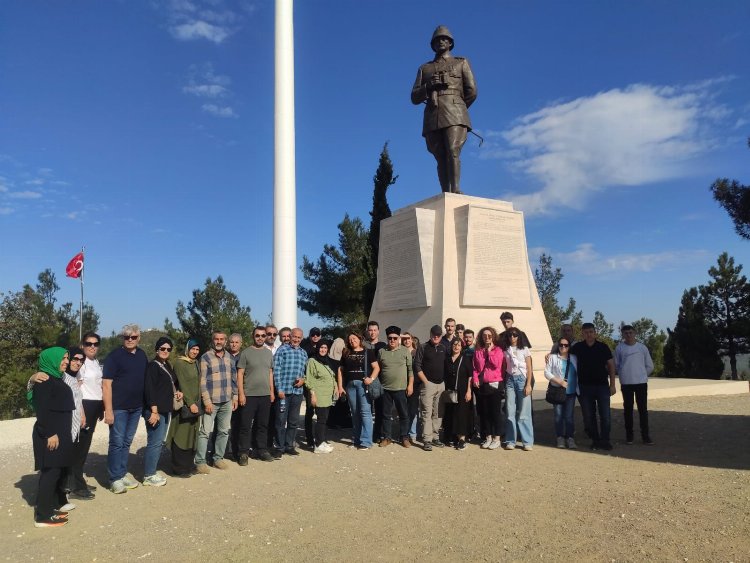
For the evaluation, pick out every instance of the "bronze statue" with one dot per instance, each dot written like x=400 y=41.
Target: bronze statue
x=446 y=84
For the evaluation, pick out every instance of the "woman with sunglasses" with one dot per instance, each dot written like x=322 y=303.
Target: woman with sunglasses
x=356 y=372
x=159 y=392
x=487 y=379
x=561 y=371
x=518 y=374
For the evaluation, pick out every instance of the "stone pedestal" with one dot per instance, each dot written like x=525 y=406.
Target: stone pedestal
x=458 y=256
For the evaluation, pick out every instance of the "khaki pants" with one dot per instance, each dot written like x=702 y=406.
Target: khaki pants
x=430 y=410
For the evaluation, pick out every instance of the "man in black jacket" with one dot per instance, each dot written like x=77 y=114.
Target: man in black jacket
x=429 y=365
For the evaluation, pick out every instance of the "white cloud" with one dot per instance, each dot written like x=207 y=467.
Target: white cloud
x=6 y=210
x=204 y=82
x=198 y=29
x=621 y=137
x=219 y=111
x=35 y=182
x=24 y=195
x=586 y=260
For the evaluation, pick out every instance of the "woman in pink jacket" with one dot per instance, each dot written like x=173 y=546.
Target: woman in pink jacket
x=489 y=367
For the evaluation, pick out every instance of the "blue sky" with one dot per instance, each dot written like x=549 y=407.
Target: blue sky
x=144 y=131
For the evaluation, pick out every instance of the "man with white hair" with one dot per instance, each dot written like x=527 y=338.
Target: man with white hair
x=122 y=393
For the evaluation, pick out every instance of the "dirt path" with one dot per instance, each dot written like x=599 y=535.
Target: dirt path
x=687 y=498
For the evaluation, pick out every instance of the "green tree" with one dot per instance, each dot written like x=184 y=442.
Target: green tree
x=30 y=322
x=548 y=279
x=654 y=339
x=604 y=330
x=212 y=308
x=339 y=277
x=726 y=305
x=735 y=199
x=382 y=180
x=691 y=349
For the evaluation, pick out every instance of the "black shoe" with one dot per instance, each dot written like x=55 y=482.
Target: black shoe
x=427 y=447
x=438 y=444
x=277 y=453
x=606 y=446
x=648 y=441
x=629 y=439
x=263 y=455
x=461 y=445
x=291 y=451
x=84 y=494
x=253 y=454
x=594 y=445
x=242 y=461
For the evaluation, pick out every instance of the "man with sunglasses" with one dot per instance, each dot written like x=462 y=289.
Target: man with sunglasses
x=271 y=343
x=122 y=394
x=398 y=384
x=255 y=389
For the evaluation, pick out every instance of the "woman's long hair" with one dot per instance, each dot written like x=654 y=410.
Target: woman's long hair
x=480 y=341
x=348 y=350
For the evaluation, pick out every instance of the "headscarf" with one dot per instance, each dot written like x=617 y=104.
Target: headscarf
x=72 y=352
x=190 y=343
x=49 y=363
x=325 y=360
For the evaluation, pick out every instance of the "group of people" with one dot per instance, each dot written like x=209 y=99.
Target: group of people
x=451 y=389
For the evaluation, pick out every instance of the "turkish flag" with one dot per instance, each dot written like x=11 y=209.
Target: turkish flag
x=75 y=266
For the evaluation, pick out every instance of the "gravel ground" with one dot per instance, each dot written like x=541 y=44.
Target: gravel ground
x=686 y=498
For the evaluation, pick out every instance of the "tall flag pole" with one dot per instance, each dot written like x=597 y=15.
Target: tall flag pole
x=284 y=187
x=75 y=270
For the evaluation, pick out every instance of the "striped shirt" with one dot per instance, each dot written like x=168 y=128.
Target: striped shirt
x=288 y=366
x=218 y=377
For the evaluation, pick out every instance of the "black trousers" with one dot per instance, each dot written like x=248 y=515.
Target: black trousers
x=491 y=413
x=256 y=412
x=377 y=429
x=183 y=461
x=397 y=398
x=75 y=480
x=51 y=493
x=640 y=392
x=316 y=435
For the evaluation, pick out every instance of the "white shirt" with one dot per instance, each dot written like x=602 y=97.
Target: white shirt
x=90 y=378
x=515 y=359
x=276 y=346
x=633 y=363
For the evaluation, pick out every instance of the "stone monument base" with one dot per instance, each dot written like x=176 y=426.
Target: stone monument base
x=458 y=256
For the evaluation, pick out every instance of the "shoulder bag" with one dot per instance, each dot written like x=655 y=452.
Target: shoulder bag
x=375 y=389
x=557 y=395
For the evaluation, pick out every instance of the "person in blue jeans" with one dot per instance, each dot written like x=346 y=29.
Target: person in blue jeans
x=122 y=394
x=289 y=380
x=518 y=373
x=159 y=392
x=596 y=384
x=561 y=371
x=357 y=371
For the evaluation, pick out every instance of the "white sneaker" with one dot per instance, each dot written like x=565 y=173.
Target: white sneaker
x=572 y=444
x=67 y=507
x=486 y=444
x=154 y=481
x=129 y=482
x=494 y=444
x=327 y=446
x=509 y=446
x=527 y=447
x=321 y=449
x=118 y=487
x=560 y=442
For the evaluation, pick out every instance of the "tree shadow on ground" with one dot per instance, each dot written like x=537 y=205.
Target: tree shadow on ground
x=684 y=438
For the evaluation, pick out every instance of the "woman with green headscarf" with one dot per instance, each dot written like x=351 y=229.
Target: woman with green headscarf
x=53 y=402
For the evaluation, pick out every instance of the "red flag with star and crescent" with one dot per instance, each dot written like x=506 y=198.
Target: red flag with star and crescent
x=75 y=266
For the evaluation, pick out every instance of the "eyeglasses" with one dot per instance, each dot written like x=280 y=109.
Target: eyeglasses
x=563 y=345
x=407 y=339
x=132 y=337
x=272 y=334
x=76 y=359
x=165 y=349
x=393 y=338
x=514 y=335
x=259 y=335
x=91 y=344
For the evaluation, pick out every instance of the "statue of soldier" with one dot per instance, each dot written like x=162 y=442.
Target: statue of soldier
x=446 y=84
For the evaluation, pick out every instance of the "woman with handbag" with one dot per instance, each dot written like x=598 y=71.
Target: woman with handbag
x=161 y=399
x=487 y=379
x=356 y=373
x=561 y=372
x=183 y=431
x=518 y=377
x=457 y=396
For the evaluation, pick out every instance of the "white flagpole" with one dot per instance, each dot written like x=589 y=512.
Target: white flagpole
x=80 y=309
x=284 y=188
